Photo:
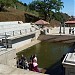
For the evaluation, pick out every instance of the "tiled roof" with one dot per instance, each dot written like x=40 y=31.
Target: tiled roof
x=42 y=22
x=70 y=22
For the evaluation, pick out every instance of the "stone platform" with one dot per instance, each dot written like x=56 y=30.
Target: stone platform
x=7 y=70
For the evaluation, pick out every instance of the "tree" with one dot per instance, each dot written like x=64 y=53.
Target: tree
x=62 y=17
x=46 y=7
x=25 y=4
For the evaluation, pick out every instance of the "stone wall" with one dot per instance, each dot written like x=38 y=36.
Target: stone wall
x=6 y=56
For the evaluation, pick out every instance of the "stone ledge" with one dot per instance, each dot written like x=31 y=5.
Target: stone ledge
x=8 y=70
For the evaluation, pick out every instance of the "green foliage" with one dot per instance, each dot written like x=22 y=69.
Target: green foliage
x=8 y=2
x=46 y=7
x=25 y=4
x=62 y=17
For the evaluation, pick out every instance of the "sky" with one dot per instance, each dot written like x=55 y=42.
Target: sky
x=69 y=6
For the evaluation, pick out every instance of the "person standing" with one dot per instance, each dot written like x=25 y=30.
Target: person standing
x=34 y=57
x=31 y=63
x=35 y=66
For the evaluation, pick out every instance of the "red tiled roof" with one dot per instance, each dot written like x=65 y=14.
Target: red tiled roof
x=70 y=22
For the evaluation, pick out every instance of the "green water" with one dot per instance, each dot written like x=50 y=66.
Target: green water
x=47 y=53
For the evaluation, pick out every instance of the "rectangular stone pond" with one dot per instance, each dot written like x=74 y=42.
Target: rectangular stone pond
x=48 y=54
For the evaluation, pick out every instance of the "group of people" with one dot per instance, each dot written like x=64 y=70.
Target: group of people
x=30 y=65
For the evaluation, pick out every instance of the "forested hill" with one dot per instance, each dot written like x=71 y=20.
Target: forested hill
x=44 y=9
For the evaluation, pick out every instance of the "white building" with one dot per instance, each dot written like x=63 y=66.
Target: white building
x=18 y=33
x=69 y=64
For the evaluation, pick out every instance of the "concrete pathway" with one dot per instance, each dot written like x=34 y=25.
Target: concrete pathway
x=8 y=70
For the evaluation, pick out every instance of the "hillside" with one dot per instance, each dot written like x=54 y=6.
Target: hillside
x=17 y=15
x=8 y=16
x=23 y=13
